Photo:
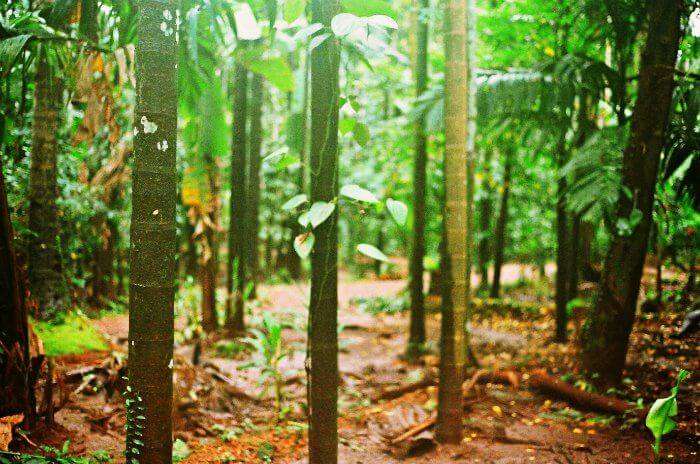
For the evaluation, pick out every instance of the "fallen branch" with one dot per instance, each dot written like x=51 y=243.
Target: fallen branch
x=545 y=383
x=415 y=430
x=397 y=392
x=507 y=377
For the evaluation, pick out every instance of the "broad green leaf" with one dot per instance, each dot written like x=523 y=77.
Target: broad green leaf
x=293 y=9
x=247 y=27
x=382 y=21
x=343 y=24
x=306 y=32
x=372 y=251
x=398 y=210
x=305 y=219
x=303 y=244
x=276 y=70
x=294 y=202
x=358 y=193
x=346 y=125
x=10 y=49
x=319 y=212
x=360 y=132
x=659 y=418
x=368 y=7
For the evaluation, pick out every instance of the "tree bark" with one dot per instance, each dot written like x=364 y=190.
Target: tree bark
x=416 y=337
x=606 y=333
x=502 y=225
x=235 y=275
x=456 y=223
x=153 y=229
x=253 y=200
x=485 y=212
x=323 y=304
x=563 y=258
x=46 y=280
x=16 y=389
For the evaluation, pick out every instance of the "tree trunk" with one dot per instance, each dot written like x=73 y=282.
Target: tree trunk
x=416 y=337
x=235 y=270
x=563 y=259
x=323 y=305
x=502 y=225
x=253 y=201
x=456 y=223
x=153 y=230
x=485 y=207
x=606 y=333
x=16 y=389
x=209 y=262
x=46 y=280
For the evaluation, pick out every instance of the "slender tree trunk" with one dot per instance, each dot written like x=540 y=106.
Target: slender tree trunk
x=606 y=333
x=16 y=389
x=323 y=305
x=502 y=225
x=485 y=212
x=209 y=262
x=456 y=223
x=561 y=284
x=253 y=201
x=416 y=337
x=153 y=237
x=235 y=274
x=46 y=280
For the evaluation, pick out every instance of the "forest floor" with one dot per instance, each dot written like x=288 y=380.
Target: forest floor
x=224 y=415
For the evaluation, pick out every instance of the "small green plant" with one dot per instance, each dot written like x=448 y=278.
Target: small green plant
x=266 y=452
x=381 y=305
x=180 y=450
x=54 y=456
x=230 y=348
x=659 y=418
x=269 y=351
x=71 y=334
x=134 y=424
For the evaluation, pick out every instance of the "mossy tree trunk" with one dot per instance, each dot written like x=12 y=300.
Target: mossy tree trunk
x=416 y=337
x=502 y=224
x=606 y=333
x=563 y=258
x=16 y=389
x=153 y=228
x=485 y=212
x=46 y=280
x=456 y=223
x=235 y=267
x=253 y=200
x=323 y=304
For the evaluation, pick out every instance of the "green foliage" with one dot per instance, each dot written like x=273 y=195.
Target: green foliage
x=660 y=416
x=53 y=455
x=180 y=450
x=71 y=334
x=134 y=425
x=381 y=305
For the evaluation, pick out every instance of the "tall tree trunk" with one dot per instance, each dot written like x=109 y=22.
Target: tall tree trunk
x=153 y=230
x=561 y=284
x=16 y=389
x=606 y=333
x=235 y=269
x=485 y=212
x=416 y=337
x=209 y=262
x=323 y=305
x=253 y=200
x=46 y=280
x=502 y=224
x=456 y=223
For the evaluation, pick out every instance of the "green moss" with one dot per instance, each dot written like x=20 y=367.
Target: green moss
x=73 y=334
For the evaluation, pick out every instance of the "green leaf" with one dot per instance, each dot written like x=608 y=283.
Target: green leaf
x=382 y=21
x=346 y=125
x=276 y=70
x=343 y=24
x=293 y=9
x=368 y=7
x=303 y=244
x=360 y=133
x=247 y=27
x=358 y=193
x=304 y=219
x=294 y=202
x=10 y=49
x=372 y=251
x=318 y=40
x=319 y=212
x=398 y=210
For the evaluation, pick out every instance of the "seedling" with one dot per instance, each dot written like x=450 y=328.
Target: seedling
x=659 y=419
